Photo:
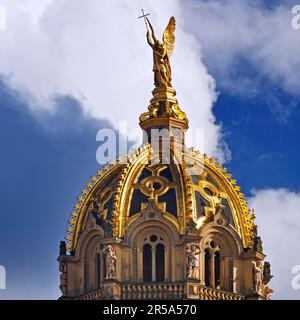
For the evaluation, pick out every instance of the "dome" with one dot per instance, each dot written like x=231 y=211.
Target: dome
x=164 y=221
x=189 y=194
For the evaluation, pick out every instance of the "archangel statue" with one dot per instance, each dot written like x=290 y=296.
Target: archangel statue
x=162 y=51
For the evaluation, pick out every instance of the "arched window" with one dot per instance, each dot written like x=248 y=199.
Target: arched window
x=153 y=258
x=160 y=262
x=207 y=268
x=147 y=263
x=212 y=258
x=217 y=269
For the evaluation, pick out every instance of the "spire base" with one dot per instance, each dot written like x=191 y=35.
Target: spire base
x=164 y=105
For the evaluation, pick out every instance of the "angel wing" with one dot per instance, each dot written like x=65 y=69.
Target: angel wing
x=168 y=36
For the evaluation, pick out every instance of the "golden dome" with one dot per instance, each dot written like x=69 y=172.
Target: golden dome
x=189 y=194
x=164 y=221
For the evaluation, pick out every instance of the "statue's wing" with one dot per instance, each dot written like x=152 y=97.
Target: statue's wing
x=168 y=36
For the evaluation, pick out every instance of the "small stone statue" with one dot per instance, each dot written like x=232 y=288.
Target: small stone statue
x=267 y=293
x=191 y=227
x=110 y=262
x=107 y=227
x=94 y=204
x=257 y=277
x=63 y=278
x=236 y=280
x=192 y=250
x=257 y=246
x=62 y=248
x=267 y=273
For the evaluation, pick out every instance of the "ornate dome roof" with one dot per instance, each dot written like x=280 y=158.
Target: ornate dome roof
x=164 y=221
x=189 y=194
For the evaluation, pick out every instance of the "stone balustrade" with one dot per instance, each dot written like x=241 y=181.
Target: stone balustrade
x=152 y=291
x=94 y=295
x=136 y=291
x=206 y=293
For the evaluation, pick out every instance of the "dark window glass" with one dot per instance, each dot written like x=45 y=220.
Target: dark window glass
x=153 y=238
x=97 y=270
x=170 y=198
x=217 y=270
x=207 y=268
x=208 y=191
x=145 y=174
x=160 y=262
x=157 y=185
x=147 y=263
x=109 y=206
x=137 y=198
x=167 y=174
x=200 y=204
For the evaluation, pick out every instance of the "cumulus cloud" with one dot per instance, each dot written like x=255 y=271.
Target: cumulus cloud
x=239 y=35
x=277 y=217
x=96 y=51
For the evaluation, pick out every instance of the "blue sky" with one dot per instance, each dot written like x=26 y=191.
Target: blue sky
x=48 y=145
x=43 y=171
x=264 y=150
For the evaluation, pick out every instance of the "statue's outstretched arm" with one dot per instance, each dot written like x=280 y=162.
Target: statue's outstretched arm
x=152 y=30
x=149 y=39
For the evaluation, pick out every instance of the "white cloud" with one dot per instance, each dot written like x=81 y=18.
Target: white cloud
x=234 y=32
x=97 y=52
x=278 y=220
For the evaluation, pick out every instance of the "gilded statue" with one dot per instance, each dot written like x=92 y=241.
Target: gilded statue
x=164 y=103
x=162 y=51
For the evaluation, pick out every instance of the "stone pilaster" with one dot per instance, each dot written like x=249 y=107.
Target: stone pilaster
x=191 y=289
x=111 y=290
